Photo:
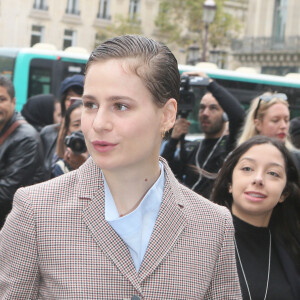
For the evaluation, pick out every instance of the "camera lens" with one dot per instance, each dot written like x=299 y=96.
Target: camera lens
x=76 y=142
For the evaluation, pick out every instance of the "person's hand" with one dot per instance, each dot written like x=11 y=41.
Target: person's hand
x=197 y=73
x=181 y=127
x=75 y=160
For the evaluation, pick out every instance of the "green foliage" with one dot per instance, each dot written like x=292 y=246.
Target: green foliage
x=180 y=21
x=121 y=25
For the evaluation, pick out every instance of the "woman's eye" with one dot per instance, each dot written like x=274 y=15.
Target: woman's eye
x=90 y=105
x=247 y=169
x=121 y=106
x=275 y=121
x=273 y=174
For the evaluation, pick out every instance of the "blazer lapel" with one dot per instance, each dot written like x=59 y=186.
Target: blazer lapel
x=168 y=227
x=101 y=231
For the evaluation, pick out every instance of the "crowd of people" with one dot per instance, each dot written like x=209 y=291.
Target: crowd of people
x=216 y=218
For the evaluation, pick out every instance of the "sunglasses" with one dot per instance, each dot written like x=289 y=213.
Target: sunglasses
x=268 y=98
x=75 y=100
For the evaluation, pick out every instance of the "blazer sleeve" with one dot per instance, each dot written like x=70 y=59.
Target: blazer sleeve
x=225 y=283
x=19 y=273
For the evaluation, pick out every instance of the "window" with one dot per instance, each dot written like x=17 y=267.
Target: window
x=69 y=38
x=134 y=8
x=73 y=7
x=40 y=4
x=104 y=9
x=37 y=34
x=279 y=21
x=40 y=77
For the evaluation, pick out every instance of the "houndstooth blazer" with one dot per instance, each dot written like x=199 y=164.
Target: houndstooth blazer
x=56 y=244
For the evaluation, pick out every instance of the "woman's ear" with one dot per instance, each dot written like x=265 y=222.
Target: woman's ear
x=283 y=196
x=230 y=188
x=258 y=125
x=169 y=114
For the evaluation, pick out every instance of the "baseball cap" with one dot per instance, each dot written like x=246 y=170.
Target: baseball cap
x=75 y=80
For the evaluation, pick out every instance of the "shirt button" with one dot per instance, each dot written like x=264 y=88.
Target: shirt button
x=135 y=298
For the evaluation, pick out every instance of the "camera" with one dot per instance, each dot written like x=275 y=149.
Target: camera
x=187 y=96
x=76 y=142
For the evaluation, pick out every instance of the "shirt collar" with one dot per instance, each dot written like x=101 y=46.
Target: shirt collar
x=152 y=198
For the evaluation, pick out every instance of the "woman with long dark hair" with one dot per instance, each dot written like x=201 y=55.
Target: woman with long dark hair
x=259 y=183
x=67 y=159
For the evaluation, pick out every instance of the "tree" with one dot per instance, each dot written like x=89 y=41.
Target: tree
x=121 y=25
x=180 y=22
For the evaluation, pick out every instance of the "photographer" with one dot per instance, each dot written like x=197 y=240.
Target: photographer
x=71 y=150
x=198 y=161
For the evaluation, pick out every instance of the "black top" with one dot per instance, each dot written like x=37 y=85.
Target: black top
x=182 y=166
x=253 y=247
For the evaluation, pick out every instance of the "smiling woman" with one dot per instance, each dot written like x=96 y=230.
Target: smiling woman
x=121 y=226
x=259 y=183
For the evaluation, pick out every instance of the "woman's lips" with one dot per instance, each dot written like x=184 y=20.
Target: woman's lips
x=281 y=135
x=103 y=146
x=255 y=196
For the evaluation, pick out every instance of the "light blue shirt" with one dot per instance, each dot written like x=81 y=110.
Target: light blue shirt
x=135 y=229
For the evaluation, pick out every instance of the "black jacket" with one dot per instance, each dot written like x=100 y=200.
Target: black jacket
x=182 y=165
x=49 y=136
x=21 y=162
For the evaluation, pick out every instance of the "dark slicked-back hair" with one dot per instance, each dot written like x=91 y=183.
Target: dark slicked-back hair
x=8 y=85
x=153 y=62
x=285 y=217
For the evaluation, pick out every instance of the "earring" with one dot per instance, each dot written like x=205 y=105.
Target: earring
x=163 y=133
x=230 y=188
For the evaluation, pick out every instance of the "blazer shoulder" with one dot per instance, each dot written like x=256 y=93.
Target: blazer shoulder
x=198 y=208
x=50 y=192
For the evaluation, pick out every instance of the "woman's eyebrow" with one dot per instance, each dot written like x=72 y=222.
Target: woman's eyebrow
x=270 y=164
x=111 y=98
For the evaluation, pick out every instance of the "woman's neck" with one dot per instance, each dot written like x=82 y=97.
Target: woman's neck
x=258 y=220
x=128 y=187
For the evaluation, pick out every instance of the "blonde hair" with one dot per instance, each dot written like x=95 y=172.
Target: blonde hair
x=249 y=129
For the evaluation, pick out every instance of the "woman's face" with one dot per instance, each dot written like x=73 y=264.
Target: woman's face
x=57 y=113
x=275 y=122
x=258 y=181
x=120 y=121
x=75 y=120
x=70 y=94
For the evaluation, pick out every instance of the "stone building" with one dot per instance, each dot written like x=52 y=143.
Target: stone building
x=79 y=23
x=271 y=42
x=65 y=23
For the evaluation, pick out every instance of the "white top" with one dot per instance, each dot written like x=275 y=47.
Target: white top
x=135 y=229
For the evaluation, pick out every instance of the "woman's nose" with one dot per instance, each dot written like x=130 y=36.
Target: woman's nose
x=258 y=180
x=102 y=120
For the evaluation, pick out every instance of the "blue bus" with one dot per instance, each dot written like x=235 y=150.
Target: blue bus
x=36 y=70
x=39 y=71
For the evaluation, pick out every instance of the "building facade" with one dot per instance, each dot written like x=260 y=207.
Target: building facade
x=66 y=23
x=79 y=23
x=271 y=42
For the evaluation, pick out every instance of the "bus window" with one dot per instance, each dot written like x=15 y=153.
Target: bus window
x=7 y=63
x=40 y=77
x=72 y=68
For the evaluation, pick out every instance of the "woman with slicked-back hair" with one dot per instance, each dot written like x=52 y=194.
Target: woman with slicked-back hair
x=121 y=226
